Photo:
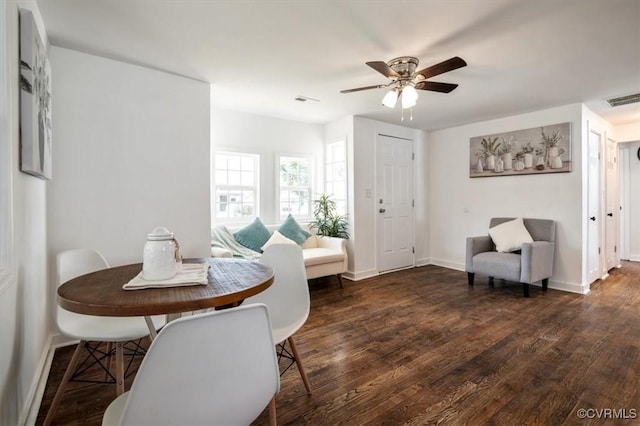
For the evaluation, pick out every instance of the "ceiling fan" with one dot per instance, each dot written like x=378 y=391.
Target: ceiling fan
x=405 y=79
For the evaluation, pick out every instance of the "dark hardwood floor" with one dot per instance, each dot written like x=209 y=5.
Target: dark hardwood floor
x=422 y=347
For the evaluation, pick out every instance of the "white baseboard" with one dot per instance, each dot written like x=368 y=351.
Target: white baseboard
x=423 y=262
x=361 y=275
x=448 y=264
x=38 y=385
x=570 y=287
x=634 y=258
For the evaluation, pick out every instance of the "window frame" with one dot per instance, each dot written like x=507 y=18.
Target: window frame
x=255 y=187
x=310 y=188
x=340 y=202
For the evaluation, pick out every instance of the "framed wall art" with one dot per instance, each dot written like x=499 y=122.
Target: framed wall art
x=35 y=100
x=538 y=150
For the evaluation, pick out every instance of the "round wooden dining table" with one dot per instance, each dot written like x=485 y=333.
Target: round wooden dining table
x=100 y=293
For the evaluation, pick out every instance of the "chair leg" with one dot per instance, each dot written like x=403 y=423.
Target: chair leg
x=119 y=368
x=340 y=280
x=273 y=419
x=305 y=379
x=525 y=288
x=491 y=283
x=545 y=284
x=63 y=383
x=111 y=362
x=470 y=276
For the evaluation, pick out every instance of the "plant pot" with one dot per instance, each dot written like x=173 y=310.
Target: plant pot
x=499 y=166
x=490 y=162
x=507 y=160
x=528 y=160
x=556 y=162
x=518 y=165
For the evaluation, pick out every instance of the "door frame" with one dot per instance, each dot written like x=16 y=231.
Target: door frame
x=376 y=204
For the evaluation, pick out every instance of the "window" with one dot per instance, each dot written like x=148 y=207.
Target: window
x=295 y=177
x=335 y=183
x=236 y=186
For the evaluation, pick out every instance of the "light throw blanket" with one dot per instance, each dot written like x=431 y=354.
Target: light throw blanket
x=222 y=238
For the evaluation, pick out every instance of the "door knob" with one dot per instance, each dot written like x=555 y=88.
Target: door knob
x=593 y=218
x=382 y=210
x=610 y=214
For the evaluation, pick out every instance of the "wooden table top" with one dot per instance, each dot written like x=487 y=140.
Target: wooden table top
x=100 y=293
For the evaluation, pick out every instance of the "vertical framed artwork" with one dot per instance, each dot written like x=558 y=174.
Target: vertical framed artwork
x=35 y=100
x=545 y=149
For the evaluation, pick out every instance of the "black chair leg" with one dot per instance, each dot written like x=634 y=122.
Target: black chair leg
x=491 y=283
x=525 y=287
x=545 y=284
x=470 y=276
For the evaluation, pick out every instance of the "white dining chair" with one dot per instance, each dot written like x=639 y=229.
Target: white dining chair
x=287 y=299
x=214 y=368
x=89 y=329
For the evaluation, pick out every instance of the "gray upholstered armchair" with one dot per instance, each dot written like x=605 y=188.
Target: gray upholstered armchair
x=534 y=262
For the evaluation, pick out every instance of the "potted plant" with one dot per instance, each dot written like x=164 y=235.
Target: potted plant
x=550 y=145
x=489 y=150
x=505 y=152
x=327 y=221
x=527 y=151
x=519 y=163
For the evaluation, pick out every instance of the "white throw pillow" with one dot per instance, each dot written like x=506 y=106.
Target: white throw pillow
x=509 y=236
x=277 y=238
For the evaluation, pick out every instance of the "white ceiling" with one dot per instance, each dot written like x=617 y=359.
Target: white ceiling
x=259 y=55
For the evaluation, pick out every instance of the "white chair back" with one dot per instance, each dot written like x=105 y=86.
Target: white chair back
x=214 y=368
x=76 y=262
x=288 y=296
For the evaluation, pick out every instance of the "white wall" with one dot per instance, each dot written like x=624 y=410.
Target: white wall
x=131 y=152
x=24 y=326
x=267 y=137
x=461 y=206
x=343 y=129
x=627 y=132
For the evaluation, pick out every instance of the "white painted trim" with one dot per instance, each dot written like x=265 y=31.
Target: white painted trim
x=361 y=275
x=634 y=258
x=569 y=287
x=423 y=262
x=36 y=390
x=448 y=264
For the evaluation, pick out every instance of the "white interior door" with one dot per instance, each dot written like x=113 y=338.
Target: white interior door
x=612 y=209
x=394 y=203
x=593 y=237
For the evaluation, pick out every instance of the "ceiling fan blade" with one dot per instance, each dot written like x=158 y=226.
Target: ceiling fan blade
x=383 y=69
x=435 y=86
x=378 y=86
x=445 y=66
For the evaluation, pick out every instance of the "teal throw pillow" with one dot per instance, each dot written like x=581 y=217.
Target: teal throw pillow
x=253 y=236
x=292 y=230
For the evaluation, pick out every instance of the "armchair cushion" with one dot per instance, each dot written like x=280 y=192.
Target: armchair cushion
x=509 y=236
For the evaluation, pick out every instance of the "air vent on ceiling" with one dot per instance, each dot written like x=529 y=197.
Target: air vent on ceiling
x=624 y=100
x=301 y=98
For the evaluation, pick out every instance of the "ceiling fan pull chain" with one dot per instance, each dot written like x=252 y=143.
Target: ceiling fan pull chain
x=411 y=118
x=402 y=114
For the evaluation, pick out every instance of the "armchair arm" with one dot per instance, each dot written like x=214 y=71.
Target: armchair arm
x=537 y=261
x=476 y=245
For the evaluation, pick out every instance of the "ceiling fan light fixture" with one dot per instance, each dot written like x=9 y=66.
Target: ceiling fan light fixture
x=390 y=98
x=409 y=97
